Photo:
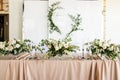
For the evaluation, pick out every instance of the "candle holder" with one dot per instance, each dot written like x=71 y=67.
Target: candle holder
x=83 y=54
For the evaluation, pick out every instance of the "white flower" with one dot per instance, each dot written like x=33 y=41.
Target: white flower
x=63 y=43
x=104 y=46
x=2 y=45
x=9 y=48
x=49 y=46
x=60 y=46
x=66 y=45
x=66 y=51
x=111 y=48
x=17 y=46
x=100 y=43
x=12 y=42
x=117 y=49
x=56 y=47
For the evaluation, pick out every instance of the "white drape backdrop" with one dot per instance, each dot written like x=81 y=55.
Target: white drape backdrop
x=91 y=15
x=35 y=20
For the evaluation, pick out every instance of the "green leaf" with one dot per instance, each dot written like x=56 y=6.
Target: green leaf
x=52 y=26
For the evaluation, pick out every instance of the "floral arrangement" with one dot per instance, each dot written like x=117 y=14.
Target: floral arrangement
x=3 y=48
x=104 y=48
x=62 y=46
x=57 y=47
x=16 y=47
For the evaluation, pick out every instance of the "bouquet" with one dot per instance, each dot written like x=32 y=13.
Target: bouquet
x=58 y=47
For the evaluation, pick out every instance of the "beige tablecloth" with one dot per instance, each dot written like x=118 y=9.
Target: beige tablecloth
x=59 y=70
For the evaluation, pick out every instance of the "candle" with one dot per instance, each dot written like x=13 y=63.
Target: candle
x=83 y=50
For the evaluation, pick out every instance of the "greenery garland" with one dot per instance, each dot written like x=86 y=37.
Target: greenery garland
x=76 y=22
x=52 y=26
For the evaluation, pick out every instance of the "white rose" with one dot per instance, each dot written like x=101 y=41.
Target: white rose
x=9 y=48
x=66 y=45
x=17 y=46
x=56 y=47
x=49 y=46
x=100 y=44
x=104 y=46
x=12 y=42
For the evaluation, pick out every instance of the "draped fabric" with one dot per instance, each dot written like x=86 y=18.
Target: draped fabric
x=59 y=70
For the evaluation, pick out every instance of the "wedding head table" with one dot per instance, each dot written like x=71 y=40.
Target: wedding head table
x=59 y=70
